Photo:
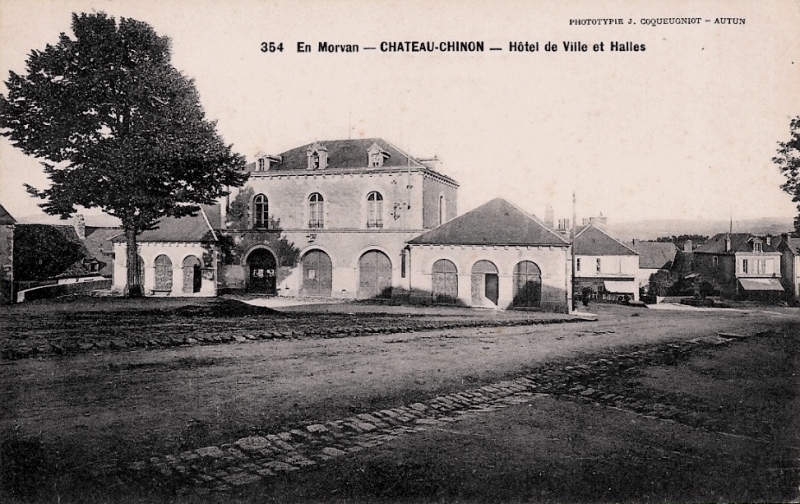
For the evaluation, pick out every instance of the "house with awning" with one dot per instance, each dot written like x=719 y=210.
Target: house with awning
x=741 y=266
x=604 y=265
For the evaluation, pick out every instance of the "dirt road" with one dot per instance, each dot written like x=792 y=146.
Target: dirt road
x=107 y=409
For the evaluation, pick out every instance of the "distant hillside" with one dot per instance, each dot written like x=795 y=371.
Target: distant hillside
x=652 y=229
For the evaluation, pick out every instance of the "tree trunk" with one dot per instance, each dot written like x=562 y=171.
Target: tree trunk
x=134 y=288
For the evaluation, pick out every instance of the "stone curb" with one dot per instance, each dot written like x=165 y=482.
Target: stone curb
x=253 y=458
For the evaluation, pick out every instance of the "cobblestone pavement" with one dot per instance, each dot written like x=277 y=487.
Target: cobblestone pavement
x=250 y=459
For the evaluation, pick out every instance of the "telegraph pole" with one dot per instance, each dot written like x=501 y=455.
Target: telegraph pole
x=572 y=246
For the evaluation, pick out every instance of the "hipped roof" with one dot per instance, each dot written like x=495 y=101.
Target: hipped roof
x=5 y=218
x=593 y=241
x=189 y=229
x=740 y=242
x=347 y=154
x=655 y=255
x=497 y=222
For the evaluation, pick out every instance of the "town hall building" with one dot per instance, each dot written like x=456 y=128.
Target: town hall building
x=355 y=219
x=331 y=219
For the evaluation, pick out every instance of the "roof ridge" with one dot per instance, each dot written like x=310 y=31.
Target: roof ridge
x=597 y=228
x=208 y=223
x=401 y=151
x=535 y=219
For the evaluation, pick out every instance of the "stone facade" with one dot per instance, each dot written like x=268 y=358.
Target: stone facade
x=470 y=285
x=6 y=256
x=335 y=225
x=170 y=269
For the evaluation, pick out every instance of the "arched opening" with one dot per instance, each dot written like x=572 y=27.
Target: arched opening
x=316 y=216
x=262 y=266
x=527 y=285
x=163 y=268
x=317 y=274
x=374 y=275
x=442 y=209
x=444 y=282
x=374 y=210
x=485 y=282
x=192 y=275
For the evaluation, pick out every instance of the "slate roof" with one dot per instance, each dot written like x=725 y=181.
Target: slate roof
x=593 y=241
x=792 y=244
x=654 y=255
x=739 y=243
x=346 y=154
x=497 y=222
x=98 y=243
x=82 y=266
x=5 y=218
x=190 y=229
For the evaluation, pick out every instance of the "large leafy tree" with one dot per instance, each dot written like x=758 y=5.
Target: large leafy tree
x=117 y=127
x=788 y=160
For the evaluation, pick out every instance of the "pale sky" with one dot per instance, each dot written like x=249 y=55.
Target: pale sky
x=686 y=129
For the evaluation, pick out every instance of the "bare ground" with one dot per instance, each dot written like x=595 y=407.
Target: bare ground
x=82 y=413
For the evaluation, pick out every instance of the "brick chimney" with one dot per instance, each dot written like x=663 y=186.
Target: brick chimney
x=80 y=226
x=727 y=243
x=549 y=218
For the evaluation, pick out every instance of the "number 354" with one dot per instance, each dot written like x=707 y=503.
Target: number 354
x=271 y=47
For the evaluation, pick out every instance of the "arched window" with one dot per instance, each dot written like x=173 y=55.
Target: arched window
x=260 y=212
x=442 y=209
x=527 y=284
x=316 y=216
x=163 y=267
x=374 y=210
x=444 y=281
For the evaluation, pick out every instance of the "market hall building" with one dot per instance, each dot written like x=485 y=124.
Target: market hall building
x=495 y=256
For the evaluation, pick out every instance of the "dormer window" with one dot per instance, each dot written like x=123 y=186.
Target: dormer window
x=317 y=157
x=757 y=246
x=376 y=156
x=262 y=165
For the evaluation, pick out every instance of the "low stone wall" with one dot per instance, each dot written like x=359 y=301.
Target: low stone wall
x=59 y=290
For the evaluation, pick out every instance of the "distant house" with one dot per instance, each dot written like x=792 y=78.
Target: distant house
x=789 y=247
x=653 y=257
x=46 y=253
x=605 y=265
x=7 y=223
x=496 y=255
x=178 y=258
x=740 y=265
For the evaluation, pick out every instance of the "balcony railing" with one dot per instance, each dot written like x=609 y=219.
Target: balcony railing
x=375 y=223
x=316 y=224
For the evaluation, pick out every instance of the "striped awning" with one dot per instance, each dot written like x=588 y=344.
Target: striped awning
x=618 y=287
x=761 y=284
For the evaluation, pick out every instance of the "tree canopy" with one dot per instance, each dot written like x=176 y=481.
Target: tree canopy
x=788 y=160
x=117 y=127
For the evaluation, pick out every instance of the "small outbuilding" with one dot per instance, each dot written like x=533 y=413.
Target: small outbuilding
x=177 y=258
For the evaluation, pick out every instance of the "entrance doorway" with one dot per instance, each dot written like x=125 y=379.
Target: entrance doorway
x=192 y=275
x=262 y=266
x=374 y=275
x=317 y=274
x=485 y=283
